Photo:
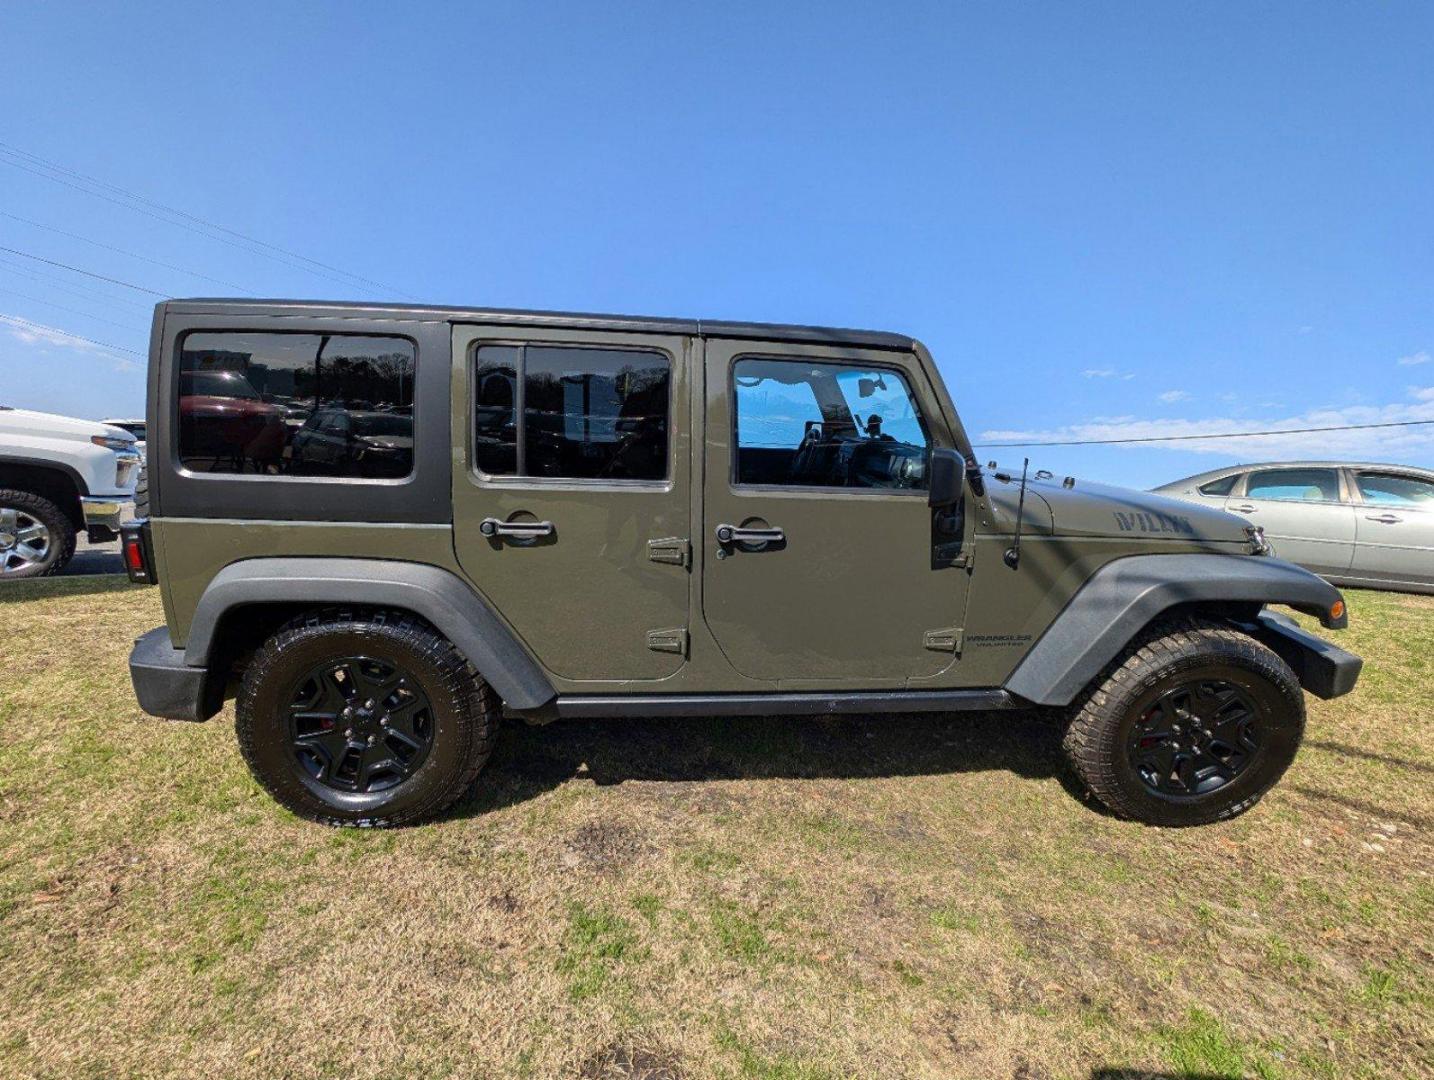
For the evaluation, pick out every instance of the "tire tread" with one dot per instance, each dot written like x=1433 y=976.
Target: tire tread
x=1092 y=734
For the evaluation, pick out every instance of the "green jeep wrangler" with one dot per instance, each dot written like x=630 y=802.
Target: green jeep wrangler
x=381 y=528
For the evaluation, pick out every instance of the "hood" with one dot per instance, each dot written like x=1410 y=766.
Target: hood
x=1090 y=509
x=54 y=426
x=1103 y=510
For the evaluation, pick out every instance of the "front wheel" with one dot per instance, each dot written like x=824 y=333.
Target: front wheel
x=1192 y=725
x=36 y=536
x=364 y=718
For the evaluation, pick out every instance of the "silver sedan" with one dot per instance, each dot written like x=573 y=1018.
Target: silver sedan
x=1364 y=525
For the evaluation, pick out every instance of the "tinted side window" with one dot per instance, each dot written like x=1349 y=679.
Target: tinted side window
x=1222 y=486
x=1392 y=489
x=804 y=424
x=296 y=404
x=1300 y=485
x=575 y=413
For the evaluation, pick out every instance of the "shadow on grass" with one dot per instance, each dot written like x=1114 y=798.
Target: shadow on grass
x=1369 y=755
x=533 y=760
x=1369 y=809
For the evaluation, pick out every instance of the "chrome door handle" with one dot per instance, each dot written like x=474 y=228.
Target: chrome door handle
x=1383 y=519
x=1246 y=509
x=731 y=534
x=518 y=530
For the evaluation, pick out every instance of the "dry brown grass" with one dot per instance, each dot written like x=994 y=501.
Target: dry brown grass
x=757 y=898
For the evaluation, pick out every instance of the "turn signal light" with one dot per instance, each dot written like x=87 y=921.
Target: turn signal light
x=1336 y=610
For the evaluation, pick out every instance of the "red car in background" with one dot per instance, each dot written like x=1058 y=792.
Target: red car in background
x=226 y=427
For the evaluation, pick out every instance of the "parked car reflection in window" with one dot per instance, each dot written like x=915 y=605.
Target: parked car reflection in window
x=337 y=442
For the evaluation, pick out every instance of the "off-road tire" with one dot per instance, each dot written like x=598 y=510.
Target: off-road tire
x=465 y=709
x=1103 y=716
x=55 y=520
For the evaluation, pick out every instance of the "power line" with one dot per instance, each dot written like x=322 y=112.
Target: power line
x=1224 y=435
x=73 y=311
x=130 y=254
x=87 y=273
x=74 y=288
x=33 y=163
x=43 y=329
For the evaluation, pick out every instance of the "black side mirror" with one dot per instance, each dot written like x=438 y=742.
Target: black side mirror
x=944 y=473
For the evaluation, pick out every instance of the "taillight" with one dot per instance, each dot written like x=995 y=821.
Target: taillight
x=135 y=548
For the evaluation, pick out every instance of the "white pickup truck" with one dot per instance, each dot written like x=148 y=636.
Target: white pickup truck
x=59 y=475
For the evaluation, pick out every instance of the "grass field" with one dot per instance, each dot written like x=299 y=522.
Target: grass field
x=910 y=897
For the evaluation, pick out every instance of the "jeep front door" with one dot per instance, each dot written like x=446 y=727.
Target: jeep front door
x=572 y=513
x=823 y=565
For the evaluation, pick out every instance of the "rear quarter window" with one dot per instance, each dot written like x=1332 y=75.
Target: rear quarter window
x=1220 y=487
x=248 y=402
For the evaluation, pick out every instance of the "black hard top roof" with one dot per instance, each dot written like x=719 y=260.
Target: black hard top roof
x=825 y=335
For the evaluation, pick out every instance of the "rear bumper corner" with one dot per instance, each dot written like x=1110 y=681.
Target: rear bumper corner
x=165 y=685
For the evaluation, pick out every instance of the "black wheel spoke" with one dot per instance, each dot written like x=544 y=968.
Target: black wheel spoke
x=1185 y=771
x=403 y=738
x=358 y=724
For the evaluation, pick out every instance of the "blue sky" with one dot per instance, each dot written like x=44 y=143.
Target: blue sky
x=1104 y=219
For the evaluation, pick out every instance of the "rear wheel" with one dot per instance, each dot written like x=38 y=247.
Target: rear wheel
x=1192 y=725
x=364 y=719
x=36 y=536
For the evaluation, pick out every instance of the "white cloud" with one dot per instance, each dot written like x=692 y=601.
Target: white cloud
x=1390 y=444
x=1098 y=373
x=1170 y=397
x=1421 y=357
x=47 y=340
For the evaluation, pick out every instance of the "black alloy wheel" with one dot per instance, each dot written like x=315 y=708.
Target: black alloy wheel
x=359 y=724
x=1196 y=737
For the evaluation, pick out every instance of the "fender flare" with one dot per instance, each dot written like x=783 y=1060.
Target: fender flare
x=63 y=468
x=438 y=595
x=1123 y=597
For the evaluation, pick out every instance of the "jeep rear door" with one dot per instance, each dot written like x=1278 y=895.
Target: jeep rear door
x=571 y=506
x=822 y=564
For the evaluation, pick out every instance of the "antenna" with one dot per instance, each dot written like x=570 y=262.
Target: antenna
x=1013 y=553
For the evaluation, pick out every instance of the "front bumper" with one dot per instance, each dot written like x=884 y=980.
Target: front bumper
x=164 y=684
x=1325 y=670
x=103 y=514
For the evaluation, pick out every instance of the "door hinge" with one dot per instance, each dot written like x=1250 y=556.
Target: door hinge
x=672 y=549
x=947 y=640
x=964 y=561
x=673 y=641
